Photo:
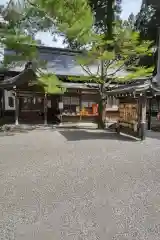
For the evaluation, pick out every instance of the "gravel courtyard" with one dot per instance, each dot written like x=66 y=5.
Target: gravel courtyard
x=79 y=185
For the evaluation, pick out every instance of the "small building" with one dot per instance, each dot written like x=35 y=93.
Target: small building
x=79 y=100
x=135 y=100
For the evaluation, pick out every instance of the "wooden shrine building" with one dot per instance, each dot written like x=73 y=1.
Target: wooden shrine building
x=79 y=100
x=135 y=106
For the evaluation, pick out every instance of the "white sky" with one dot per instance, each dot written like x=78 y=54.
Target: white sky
x=128 y=6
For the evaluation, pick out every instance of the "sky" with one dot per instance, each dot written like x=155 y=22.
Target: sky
x=128 y=6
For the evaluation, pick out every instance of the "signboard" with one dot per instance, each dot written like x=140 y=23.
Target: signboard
x=128 y=118
x=60 y=105
x=49 y=105
x=9 y=100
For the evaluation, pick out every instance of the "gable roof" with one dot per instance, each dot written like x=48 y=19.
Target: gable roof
x=62 y=62
x=136 y=87
x=26 y=75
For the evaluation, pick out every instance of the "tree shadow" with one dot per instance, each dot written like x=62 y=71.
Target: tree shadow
x=6 y=134
x=153 y=134
x=81 y=134
x=11 y=130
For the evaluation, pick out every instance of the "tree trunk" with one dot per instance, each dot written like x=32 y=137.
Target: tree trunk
x=110 y=18
x=45 y=109
x=102 y=113
x=102 y=101
x=16 y=107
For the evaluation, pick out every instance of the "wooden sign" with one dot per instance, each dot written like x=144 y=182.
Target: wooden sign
x=128 y=118
x=9 y=100
x=60 y=105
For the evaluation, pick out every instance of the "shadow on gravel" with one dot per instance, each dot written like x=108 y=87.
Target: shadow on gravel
x=6 y=134
x=78 y=135
x=11 y=130
x=153 y=134
x=12 y=133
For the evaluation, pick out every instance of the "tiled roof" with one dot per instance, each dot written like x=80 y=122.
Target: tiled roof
x=64 y=63
x=138 y=86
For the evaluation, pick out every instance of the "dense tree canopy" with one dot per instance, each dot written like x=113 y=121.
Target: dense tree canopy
x=106 y=12
x=72 y=18
x=23 y=19
x=147 y=22
x=117 y=59
x=17 y=40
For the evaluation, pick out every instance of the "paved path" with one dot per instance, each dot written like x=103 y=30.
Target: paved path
x=79 y=185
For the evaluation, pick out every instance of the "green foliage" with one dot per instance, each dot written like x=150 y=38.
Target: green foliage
x=52 y=85
x=72 y=18
x=147 y=22
x=105 y=12
x=139 y=72
x=117 y=59
x=22 y=47
x=86 y=79
x=130 y=23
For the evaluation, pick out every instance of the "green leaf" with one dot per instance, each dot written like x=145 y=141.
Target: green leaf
x=124 y=54
x=138 y=73
x=108 y=55
x=51 y=83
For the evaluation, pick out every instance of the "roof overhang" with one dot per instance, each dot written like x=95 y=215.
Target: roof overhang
x=25 y=76
x=137 y=87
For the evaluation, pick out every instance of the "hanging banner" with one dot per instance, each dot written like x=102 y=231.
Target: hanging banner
x=95 y=109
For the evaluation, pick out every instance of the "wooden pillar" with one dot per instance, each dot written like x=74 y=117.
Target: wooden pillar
x=45 y=109
x=80 y=101
x=142 y=103
x=61 y=110
x=16 y=107
x=149 y=113
x=3 y=103
x=118 y=127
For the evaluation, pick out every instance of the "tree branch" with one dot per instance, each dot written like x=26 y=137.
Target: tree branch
x=97 y=73
x=125 y=61
x=41 y=10
x=108 y=65
x=111 y=74
x=107 y=83
x=87 y=71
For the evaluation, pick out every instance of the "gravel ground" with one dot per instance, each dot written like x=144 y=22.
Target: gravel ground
x=79 y=185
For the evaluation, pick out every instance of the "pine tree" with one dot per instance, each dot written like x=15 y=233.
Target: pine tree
x=106 y=12
x=17 y=41
x=117 y=59
x=72 y=18
x=147 y=23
